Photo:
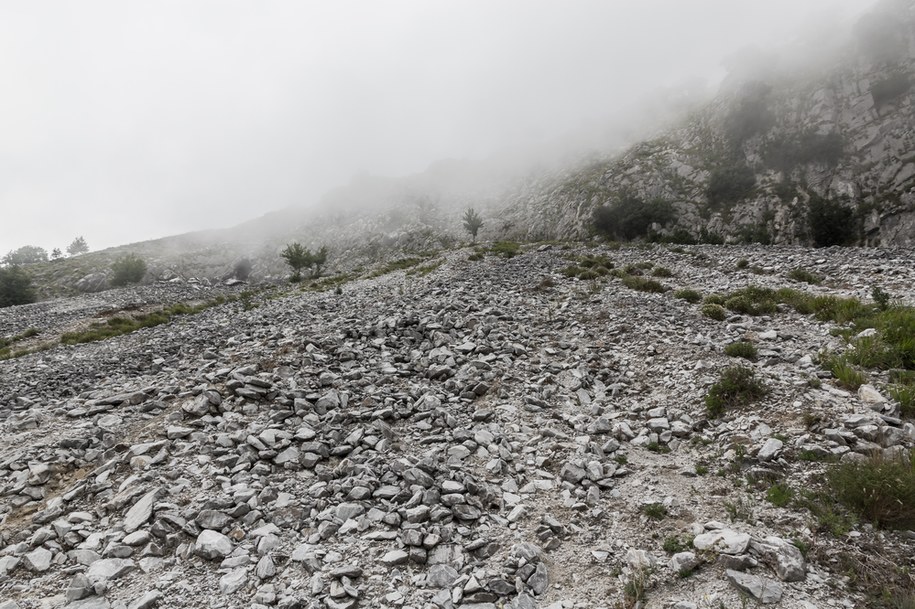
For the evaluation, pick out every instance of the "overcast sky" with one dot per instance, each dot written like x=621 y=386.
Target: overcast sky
x=126 y=120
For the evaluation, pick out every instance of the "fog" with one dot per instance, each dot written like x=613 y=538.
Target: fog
x=123 y=121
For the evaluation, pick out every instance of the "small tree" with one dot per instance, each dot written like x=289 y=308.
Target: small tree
x=129 y=268
x=15 y=287
x=56 y=254
x=77 y=247
x=27 y=254
x=318 y=259
x=297 y=257
x=472 y=223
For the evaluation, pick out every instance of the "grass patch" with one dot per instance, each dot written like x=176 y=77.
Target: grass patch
x=422 y=271
x=779 y=494
x=674 y=544
x=744 y=349
x=846 y=375
x=878 y=489
x=117 y=326
x=824 y=509
x=643 y=284
x=805 y=276
x=689 y=295
x=506 y=249
x=662 y=271
x=401 y=264
x=737 y=387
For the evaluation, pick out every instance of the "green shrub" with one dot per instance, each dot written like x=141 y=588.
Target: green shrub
x=655 y=511
x=805 y=276
x=630 y=217
x=15 y=287
x=779 y=494
x=714 y=311
x=718 y=299
x=662 y=272
x=890 y=88
x=129 y=268
x=675 y=544
x=744 y=349
x=879 y=489
x=643 y=284
x=737 y=386
x=689 y=295
x=742 y=264
x=730 y=184
x=830 y=222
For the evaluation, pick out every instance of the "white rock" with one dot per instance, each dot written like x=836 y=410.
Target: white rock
x=140 y=513
x=212 y=545
x=766 y=591
x=233 y=581
x=770 y=449
x=724 y=541
x=38 y=560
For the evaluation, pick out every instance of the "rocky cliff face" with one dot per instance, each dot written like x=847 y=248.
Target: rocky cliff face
x=843 y=133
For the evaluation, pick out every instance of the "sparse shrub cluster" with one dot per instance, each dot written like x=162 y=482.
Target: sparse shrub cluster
x=830 y=222
x=589 y=267
x=730 y=184
x=787 y=153
x=643 y=284
x=737 y=387
x=630 y=217
x=751 y=114
x=891 y=87
x=27 y=254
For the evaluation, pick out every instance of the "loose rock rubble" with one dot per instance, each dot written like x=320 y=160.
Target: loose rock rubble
x=477 y=437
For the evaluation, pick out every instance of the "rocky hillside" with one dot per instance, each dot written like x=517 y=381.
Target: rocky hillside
x=492 y=432
x=836 y=137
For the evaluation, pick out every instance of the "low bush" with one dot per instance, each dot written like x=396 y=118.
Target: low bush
x=662 y=271
x=129 y=268
x=630 y=217
x=830 y=222
x=779 y=494
x=689 y=295
x=737 y=387
x=744 y=349
x=714 y=311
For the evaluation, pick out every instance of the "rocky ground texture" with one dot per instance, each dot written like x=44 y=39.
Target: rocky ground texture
x=490 y=434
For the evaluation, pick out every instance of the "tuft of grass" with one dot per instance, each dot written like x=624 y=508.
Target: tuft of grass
x=643 y=284
x=779 y=494
x=674 y=544
x=689 y=295
x=822 y=506
x=714 y=311
x=846 y=375
x=742 y=264
x=905 y=395
x=744 y=349
x=737 y=387
x=401 y=264
x=805 y=276
x=506 y=249
x=752 y=300
x=879 y=489
x=655 y=511
x=662 y=271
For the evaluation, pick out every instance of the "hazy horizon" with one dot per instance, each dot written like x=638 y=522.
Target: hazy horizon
x=128 y=121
